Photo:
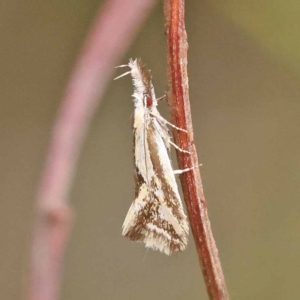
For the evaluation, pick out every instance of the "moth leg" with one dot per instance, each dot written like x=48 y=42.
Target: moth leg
x=167 y=138
x=178 y=148
x=167 y=122
x=178 y=172
x=177 y=128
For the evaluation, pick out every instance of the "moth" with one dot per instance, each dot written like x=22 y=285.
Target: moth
x=156 y=216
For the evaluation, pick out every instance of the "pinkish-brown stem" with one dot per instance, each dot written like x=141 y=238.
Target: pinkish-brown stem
x=191 y=181
x=111 y=34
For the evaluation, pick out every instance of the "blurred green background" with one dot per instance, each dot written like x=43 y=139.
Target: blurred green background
x=244 y=66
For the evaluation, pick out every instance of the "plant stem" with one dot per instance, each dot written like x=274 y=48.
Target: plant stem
x=191 y=181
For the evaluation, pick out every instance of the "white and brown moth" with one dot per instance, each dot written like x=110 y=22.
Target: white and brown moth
x=156 y=217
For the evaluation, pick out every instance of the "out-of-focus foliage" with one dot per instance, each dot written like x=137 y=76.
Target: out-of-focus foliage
x=274 y=23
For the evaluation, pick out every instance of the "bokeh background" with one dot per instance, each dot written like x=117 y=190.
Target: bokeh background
x=244 y=67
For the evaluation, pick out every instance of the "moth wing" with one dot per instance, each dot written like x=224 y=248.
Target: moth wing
x=152 y=221
x=156 y=216
x=143 y=163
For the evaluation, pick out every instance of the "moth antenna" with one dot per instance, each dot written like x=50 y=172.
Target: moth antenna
x=122 y=75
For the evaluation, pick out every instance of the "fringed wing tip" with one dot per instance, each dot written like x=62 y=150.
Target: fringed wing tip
x=159 y=242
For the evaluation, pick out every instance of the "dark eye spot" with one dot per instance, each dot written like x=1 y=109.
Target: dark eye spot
x=149 y=101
